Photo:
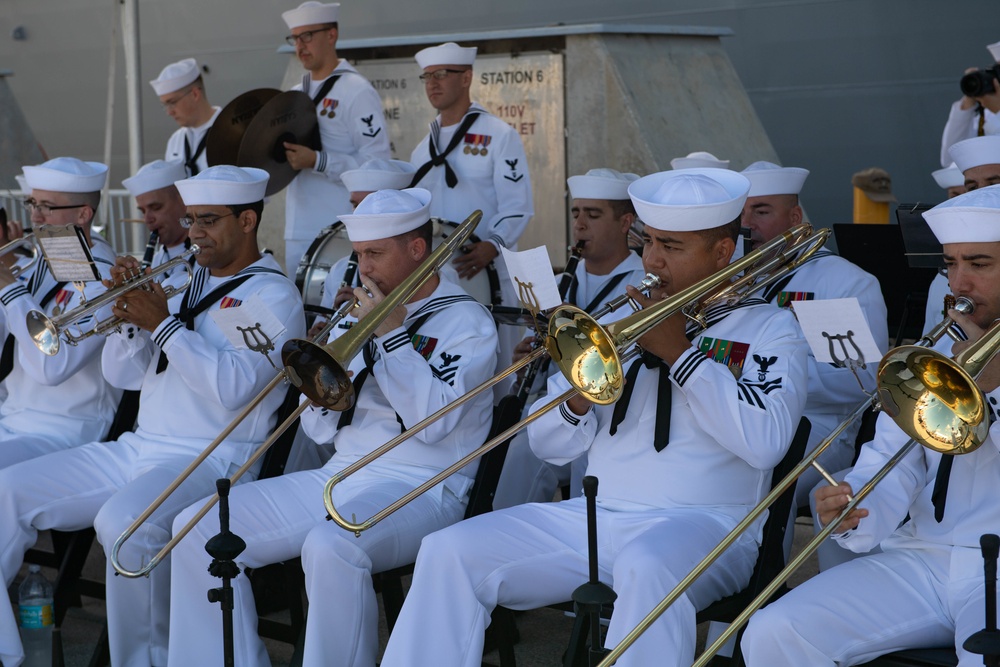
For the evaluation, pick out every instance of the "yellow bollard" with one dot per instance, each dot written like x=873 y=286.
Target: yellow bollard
x=872 y=194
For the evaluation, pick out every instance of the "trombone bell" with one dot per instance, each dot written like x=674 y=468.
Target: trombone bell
x=933 y=399
x=318 y=374
x=585 y=355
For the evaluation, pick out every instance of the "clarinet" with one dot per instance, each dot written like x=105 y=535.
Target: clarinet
x=542 y=363
x=351 y=271
x=147 y=255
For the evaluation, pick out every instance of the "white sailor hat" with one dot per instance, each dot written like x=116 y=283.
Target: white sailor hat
x=976 y=152
x=687 y=200
x=767 y=178
x=994 y=50
x=311 y=13
x=949 y=177
x=698 y=159
x=175 y=76
x=66 y=174
x=449 y=53
x=388 y=213
x=601 y=184
x=156 y=175
x=379 y=174
x=973 y=217
x=224 y=185
x=22 y=184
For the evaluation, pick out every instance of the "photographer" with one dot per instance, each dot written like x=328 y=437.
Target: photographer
x=974 y=114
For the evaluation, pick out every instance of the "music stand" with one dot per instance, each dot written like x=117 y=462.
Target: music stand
x=879 y=250
x=923 y=251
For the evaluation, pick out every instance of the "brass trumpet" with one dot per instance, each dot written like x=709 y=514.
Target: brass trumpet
x=325 y=381
x=961 y=413
x=46 y=331
x=589 y=354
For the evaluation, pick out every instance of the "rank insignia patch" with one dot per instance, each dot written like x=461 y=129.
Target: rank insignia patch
x=424 y=345
x=727 y=352
x=476 y=144
x=229 y=302
x=329 y=107
x=786 y=298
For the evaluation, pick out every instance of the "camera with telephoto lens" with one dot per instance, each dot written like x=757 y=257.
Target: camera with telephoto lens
x=980 y=82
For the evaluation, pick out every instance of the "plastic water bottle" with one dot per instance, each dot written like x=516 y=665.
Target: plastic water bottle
x=35 y=604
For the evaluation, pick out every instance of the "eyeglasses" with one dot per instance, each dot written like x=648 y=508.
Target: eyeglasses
x=170 y=104
x=304 y=37
x=206 y=222
x=44 y=209
x=439 y=75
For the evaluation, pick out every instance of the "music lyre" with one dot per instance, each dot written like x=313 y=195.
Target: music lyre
x=257 y=341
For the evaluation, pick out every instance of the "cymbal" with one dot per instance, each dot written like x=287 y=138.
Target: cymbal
x=222 y=143
x=291 y=117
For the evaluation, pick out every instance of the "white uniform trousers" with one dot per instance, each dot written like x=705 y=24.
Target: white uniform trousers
x=533 y=555
x=281 y=518
x=101 y=484
x=16 y=447
x=852 y=613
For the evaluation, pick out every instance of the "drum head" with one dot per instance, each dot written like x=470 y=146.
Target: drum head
x=222 y=143
x=332 y=245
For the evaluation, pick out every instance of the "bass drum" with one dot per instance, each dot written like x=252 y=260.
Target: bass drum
x=333 y=245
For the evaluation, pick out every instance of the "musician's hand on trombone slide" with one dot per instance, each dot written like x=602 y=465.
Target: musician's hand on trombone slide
x=369 y=295
x=145 y=308
x=830 y=500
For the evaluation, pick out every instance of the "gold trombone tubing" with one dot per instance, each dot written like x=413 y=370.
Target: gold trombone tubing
x=811 y=459
x=339 y=355
x=968 y=364
x=588 y=354
x=342 y=312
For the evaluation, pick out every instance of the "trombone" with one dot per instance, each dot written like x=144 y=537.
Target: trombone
x=937 y=434
x=340 y=392
x=589 y=354
x=46 y=331
x=26 y=243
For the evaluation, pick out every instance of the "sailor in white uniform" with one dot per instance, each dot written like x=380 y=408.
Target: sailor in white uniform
x=193 y=382
x=59 y=401
x=351 y=128
x=375 y=174
x=162 y=208
x=978 y=160
x=771 y=209
x=926 y=588
x=426 y=354
x=602 y=216
x=678 y=467
x=972 y=116
x=472 y=160
x=181 y=90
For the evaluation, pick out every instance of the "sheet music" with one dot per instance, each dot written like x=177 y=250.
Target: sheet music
x=531 y=273
x=67 y=253
x=836 y=330
x=250 y=325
